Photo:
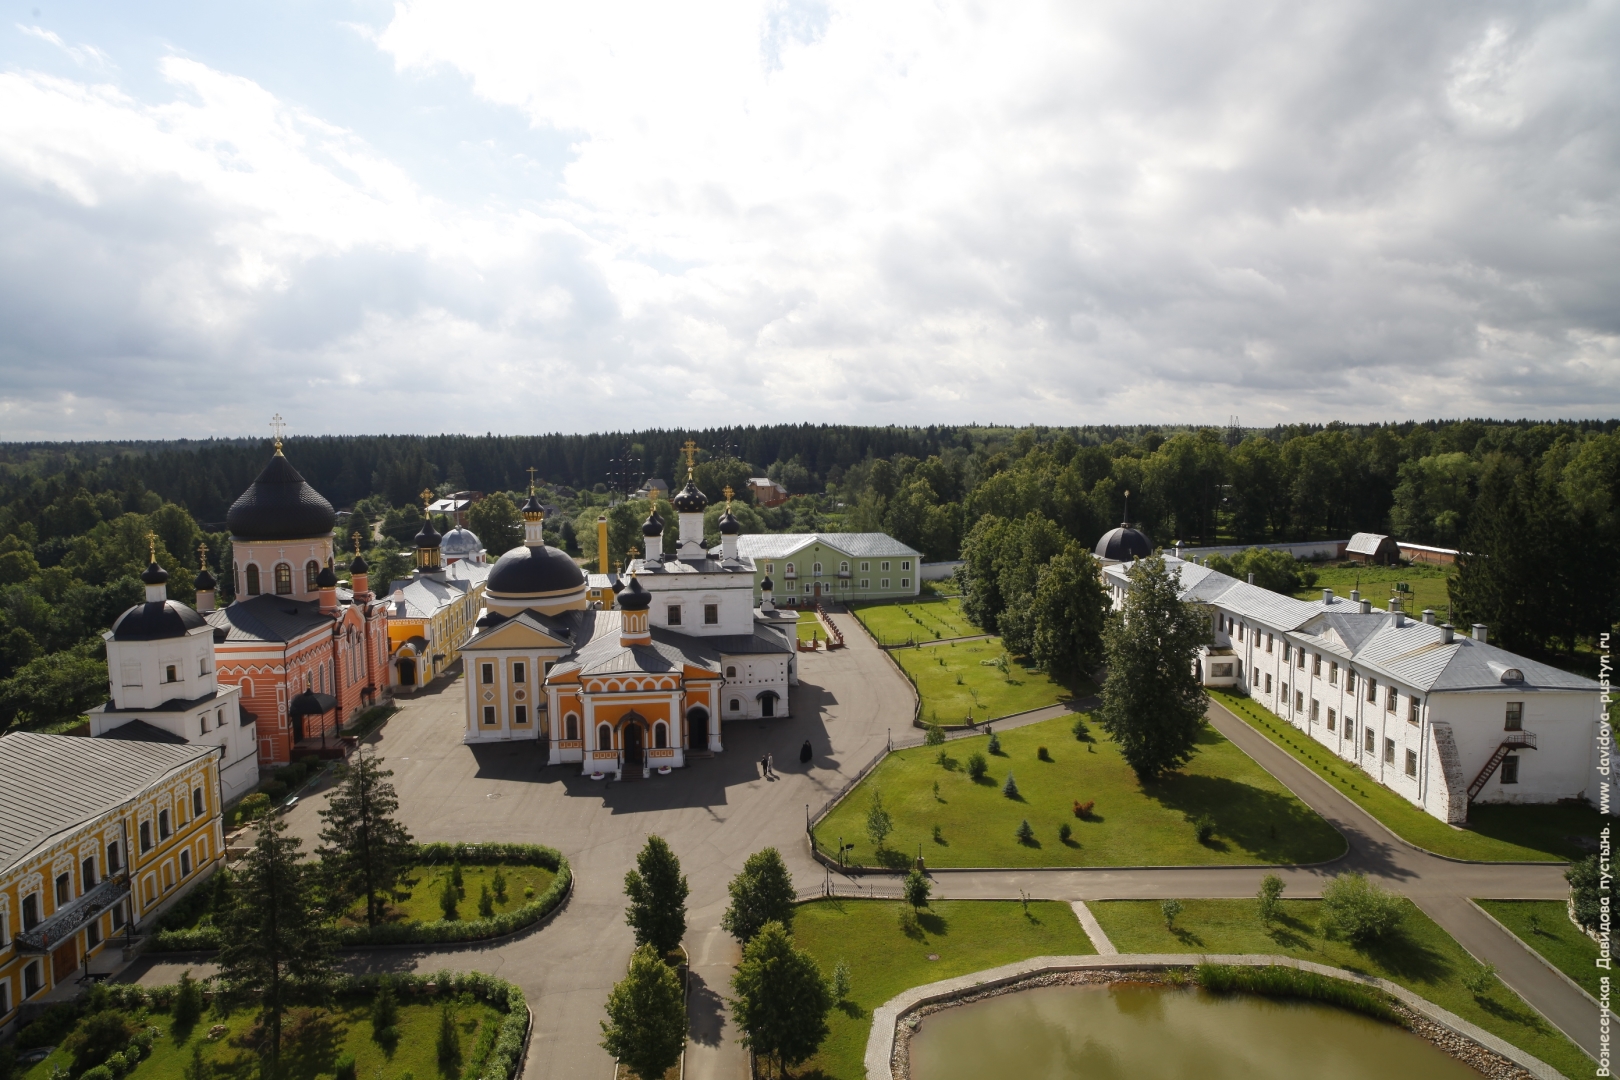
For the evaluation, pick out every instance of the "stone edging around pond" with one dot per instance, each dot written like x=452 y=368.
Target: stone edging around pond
x=1458 y=1037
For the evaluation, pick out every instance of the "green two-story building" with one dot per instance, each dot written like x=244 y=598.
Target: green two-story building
x=846 y=567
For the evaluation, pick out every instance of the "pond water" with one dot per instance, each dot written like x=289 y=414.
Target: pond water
x=1134 y=1032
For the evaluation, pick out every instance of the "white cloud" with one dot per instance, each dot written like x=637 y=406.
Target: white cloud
x=896 y=212
x=83 y=55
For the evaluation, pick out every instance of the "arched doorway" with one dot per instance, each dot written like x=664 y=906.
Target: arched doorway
x=635 y=745
x=767 y=703
x=407 y=671
x=697 y=728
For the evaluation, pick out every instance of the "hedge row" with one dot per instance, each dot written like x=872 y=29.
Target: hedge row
x=1289 y=982
x=438 y=932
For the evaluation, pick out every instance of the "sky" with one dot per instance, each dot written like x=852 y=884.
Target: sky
x=520 y=217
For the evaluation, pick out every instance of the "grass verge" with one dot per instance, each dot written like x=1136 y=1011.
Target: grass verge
x=1544 y=926
x=1421 y=957
x=1287 y=982
x=959 y=679
x=1130 y=823
x=886 y=956
x=925 y=619
x=1494 y=833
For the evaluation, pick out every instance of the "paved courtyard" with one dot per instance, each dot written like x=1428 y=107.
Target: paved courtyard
x=720 y=810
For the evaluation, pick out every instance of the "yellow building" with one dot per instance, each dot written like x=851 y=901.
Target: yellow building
x=95 y=835
x=432 y=612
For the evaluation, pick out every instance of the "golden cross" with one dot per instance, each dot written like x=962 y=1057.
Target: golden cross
x=690 y=450
x=151 y=545
x=531 y=479
x=277 y=424
x=728 y=494
x=427 y=497
x=202 y=556
x=634 y=551
x=357 y=542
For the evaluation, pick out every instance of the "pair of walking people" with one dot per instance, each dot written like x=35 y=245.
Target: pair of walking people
x=806 y=754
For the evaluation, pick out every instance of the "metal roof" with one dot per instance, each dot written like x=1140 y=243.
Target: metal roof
x=50 y=784
x=141 y=731
x=268 y=618
x=855 y=545
x=1365 y=543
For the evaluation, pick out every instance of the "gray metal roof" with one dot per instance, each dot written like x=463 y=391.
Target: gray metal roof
x=141 y=731
x=1365 y=543
x=50 y=784
x=173 y=705
x=855 y=545
x=268 y=618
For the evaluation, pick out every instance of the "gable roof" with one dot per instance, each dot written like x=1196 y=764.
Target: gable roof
x=1365 y=543
x=51 y=784
x=855 y=545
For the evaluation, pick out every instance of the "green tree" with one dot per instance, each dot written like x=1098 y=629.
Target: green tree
x=1272 y=569
x=761 y=893
x=657 y=890
x=878 y=822
x=497 y=522
x=58 y=686
x=1360 y=908
x=365 y=853
x=277 y=947
x=917 y=889
x=1069 y=609
x=99 y=1036
x=1152 y=701
x=188 y=1001
x=782 y=999
x=1270 y=898
x=448 y=1044
x=1586 y=891
x=646 y=1024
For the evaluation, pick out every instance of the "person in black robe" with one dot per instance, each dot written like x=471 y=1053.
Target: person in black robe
x=806 y=753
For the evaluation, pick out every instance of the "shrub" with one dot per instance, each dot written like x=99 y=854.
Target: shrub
x=1360 y=909
x=98 y=1036
x=448 y=1045
x=1081 y=732
x=1083 y=809
x=995 y=743
x=1026 y=835
x=273 y=790
x=254 y=806
x=917 y=889
x=1204 y=826
x=99 y=1072
x=457 y=880
x=1170 y=909
x=486 y=902
x=384 y=1007
x=1270 y=898
x=1065 y=831
x=840 y=981
x=933 y=735
x=1479 y=980
x=343 y=1068
x=188 y=1001
x=1010 y=788
x=447 y=899
x=1584 y=880
x=498 y=882
x=1042 y=754
x=977 y=766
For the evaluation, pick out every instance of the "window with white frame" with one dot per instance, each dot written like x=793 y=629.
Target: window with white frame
x=674 y=614
x=866 y=583
x=884 y=566
x=884 y=584
x=905 y=583
x=1389 y=751
x=1515 y=716
x=1413 y=705
x=1411 y=763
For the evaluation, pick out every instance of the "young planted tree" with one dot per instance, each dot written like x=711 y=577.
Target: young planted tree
x=1152 y=702
x=277 y=946
x=761 y=893
x=646 y=1024
x=782 y=998
x=918 y=888
x=657 y=890
x=365 y=853
x=878 y=822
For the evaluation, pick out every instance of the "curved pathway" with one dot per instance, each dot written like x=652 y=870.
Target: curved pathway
x=718 y=811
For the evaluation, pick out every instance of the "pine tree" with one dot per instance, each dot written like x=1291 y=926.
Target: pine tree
x=277 y=946
x=188 y=1001
x=646 y=1024
x=1152 y=702
x=782 y=998
x=448 y=1044
x=657 y=890
x=761 y=893
x=365 y=853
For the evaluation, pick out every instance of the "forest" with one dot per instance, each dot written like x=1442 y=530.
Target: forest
x=1535 y=506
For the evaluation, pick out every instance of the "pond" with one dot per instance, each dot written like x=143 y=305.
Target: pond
x=1137 y=1032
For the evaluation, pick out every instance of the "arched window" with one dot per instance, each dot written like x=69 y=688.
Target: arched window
x=816 y=569
x=571 y=727
x=312 y=571
x=283 y=579
x=253 y=580
x=660 y=736
x=731 y=672
x=735 y=705
x=843 y=568
x=604 y=738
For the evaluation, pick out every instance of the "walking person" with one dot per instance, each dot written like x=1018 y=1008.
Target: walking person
x=765 y=766
x=806 y=753
x=770 y=771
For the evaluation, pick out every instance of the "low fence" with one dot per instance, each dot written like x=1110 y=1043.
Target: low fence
x=1306 y=551
x=938 y=571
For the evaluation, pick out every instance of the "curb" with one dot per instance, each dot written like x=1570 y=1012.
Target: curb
x=1548 y=964
x=886 y=1018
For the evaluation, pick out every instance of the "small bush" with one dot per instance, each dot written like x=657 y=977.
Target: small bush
x=1204 y=826
x=1479 y=980
x=1270 y=898
x=1082 y=810
x=188 y=1001
x=384 y=1008
x=456 y=879
x=1065 y=831
x=995 y=743
x=917 y=889
x=1081 y=732
x=486 y=902
x=840 y=981
x=253 y=807
x=1026 y=835
x=498 y=882
x=98 y=1036
x=447 y=899
x=1584 y=880
x=343 y=1068
x=1042 y=753
x=933 y=735
x=99 y=1072
x=1010 y=788
x=1361 y=909
x=1170 y=909
x=273 y=790
x=939 y=834
x=977 y=766
x=448 y=1045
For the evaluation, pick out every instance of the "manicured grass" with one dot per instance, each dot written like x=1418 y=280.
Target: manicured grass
x=347 y=1031
x=1377 y=584
x=885 y=957
x=1553 y=936
x=953 y=681
x=924 y=619
x=1421 y=957
x=810 y=628
x=1257 y=819
x=426 y=882
x=1494 y=833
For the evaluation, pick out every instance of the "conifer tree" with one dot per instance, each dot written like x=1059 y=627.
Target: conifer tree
x=277 y=946
x=646 y=1024
x=657 y=890
x=365 y=853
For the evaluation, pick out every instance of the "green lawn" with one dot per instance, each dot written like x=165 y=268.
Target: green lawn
x=953 y=680
x=1421 y=957
x=311 y=1050
x=1257 y=819
x=885 y=957
x=924 y=619
x=1377 y=584
x=1494 y=833
x=428 y=881
x=1553 y=936
x=810 y=628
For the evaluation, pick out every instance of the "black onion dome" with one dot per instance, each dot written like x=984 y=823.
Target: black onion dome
x=154 y=574
x=525 y=571
x=765 y=585
x=279 y=505
x=326 y=579
x=429 y=536
x=690 y=500
x=532 y=505
x=633 y=597
x=156 y=621
x=729 y=525
x=653 y=526
x=205 y=581
x=358 y=566
x=1124 y=544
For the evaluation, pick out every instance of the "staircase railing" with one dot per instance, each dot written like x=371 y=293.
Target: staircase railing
x=1512 y=740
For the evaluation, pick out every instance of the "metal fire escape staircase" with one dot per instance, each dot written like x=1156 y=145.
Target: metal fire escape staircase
x=1513 y=740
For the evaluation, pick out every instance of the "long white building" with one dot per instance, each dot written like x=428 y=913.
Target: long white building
x=1442 y=718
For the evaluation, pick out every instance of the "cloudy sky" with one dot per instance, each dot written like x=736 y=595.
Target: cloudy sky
x=521 y=217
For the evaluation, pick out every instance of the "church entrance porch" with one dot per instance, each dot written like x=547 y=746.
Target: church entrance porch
x=635 y=749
